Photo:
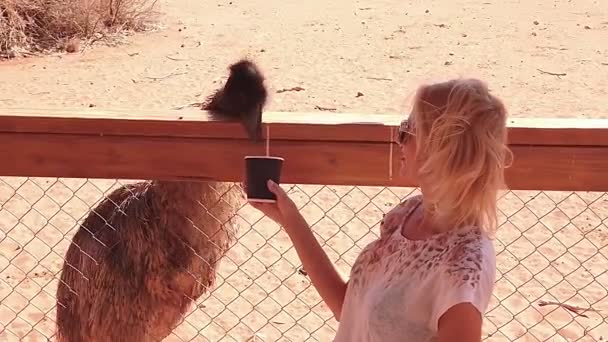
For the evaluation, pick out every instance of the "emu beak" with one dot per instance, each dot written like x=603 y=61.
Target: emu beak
x=253 y=124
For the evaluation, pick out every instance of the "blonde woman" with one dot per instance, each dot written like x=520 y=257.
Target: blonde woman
x=430 y=275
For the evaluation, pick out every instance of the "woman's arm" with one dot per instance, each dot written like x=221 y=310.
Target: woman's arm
x=323 y=274
x=462 y=322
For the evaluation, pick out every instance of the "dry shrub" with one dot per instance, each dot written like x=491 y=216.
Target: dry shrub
x=39 y=25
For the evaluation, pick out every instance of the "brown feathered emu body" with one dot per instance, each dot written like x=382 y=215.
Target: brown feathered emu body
x=150 y=249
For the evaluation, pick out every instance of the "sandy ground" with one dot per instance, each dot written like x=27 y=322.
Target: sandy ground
x=382 y=49
x=544 y=58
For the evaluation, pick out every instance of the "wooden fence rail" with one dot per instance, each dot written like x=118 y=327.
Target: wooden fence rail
x=319 y=148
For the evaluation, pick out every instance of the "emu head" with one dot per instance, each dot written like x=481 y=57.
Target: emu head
x=243 y=97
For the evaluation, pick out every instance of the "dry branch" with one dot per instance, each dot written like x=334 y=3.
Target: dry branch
x=379 y=78
x=28 y=26
x=577 y=310
x=558 y=74
x=165 y=77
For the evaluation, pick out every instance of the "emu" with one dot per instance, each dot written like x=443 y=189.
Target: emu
x=150 y=249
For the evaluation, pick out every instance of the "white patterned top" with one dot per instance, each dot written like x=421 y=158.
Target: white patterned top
x=399 y=288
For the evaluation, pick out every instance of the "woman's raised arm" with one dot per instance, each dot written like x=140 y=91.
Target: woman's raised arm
x=322 y=272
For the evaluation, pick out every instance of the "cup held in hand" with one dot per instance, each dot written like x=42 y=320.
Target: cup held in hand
x=259 y=169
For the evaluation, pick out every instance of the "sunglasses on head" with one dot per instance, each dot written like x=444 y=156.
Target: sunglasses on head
x=404 y=132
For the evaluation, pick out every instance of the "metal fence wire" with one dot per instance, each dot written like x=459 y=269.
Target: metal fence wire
x=552 y=254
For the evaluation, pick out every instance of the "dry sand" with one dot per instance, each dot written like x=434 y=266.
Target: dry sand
x=382 y=49
x=544 y=58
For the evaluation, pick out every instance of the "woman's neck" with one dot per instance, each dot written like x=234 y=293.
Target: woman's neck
x=421 y=225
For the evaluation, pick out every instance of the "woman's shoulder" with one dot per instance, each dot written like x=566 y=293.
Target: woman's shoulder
x=466 y=273
x=469 y=256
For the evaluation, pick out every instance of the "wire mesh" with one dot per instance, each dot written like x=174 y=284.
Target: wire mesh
x=552 y=254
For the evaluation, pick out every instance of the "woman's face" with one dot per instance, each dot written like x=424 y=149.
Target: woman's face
x=407 y=145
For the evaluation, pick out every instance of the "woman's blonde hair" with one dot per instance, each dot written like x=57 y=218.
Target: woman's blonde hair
x=461 y=145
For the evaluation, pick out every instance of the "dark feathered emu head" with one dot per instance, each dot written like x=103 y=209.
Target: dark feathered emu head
x=243 y=97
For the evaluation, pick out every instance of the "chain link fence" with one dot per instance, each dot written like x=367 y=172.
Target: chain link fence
x=552 y=257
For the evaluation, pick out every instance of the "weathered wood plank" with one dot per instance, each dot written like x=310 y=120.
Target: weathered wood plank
x=575 y=168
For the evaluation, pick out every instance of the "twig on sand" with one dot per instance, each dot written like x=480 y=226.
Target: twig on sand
x=290 y=89
x=165 y=77
x=192 y=104
x=176 y=59
x=579 y=311
x=379 y=78
x=183 y=59
x=558 y=74
x=325 y=109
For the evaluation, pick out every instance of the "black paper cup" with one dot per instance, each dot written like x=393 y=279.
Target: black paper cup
x=258 y=170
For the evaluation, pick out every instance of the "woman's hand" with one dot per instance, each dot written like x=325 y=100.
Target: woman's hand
x=283 y=211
